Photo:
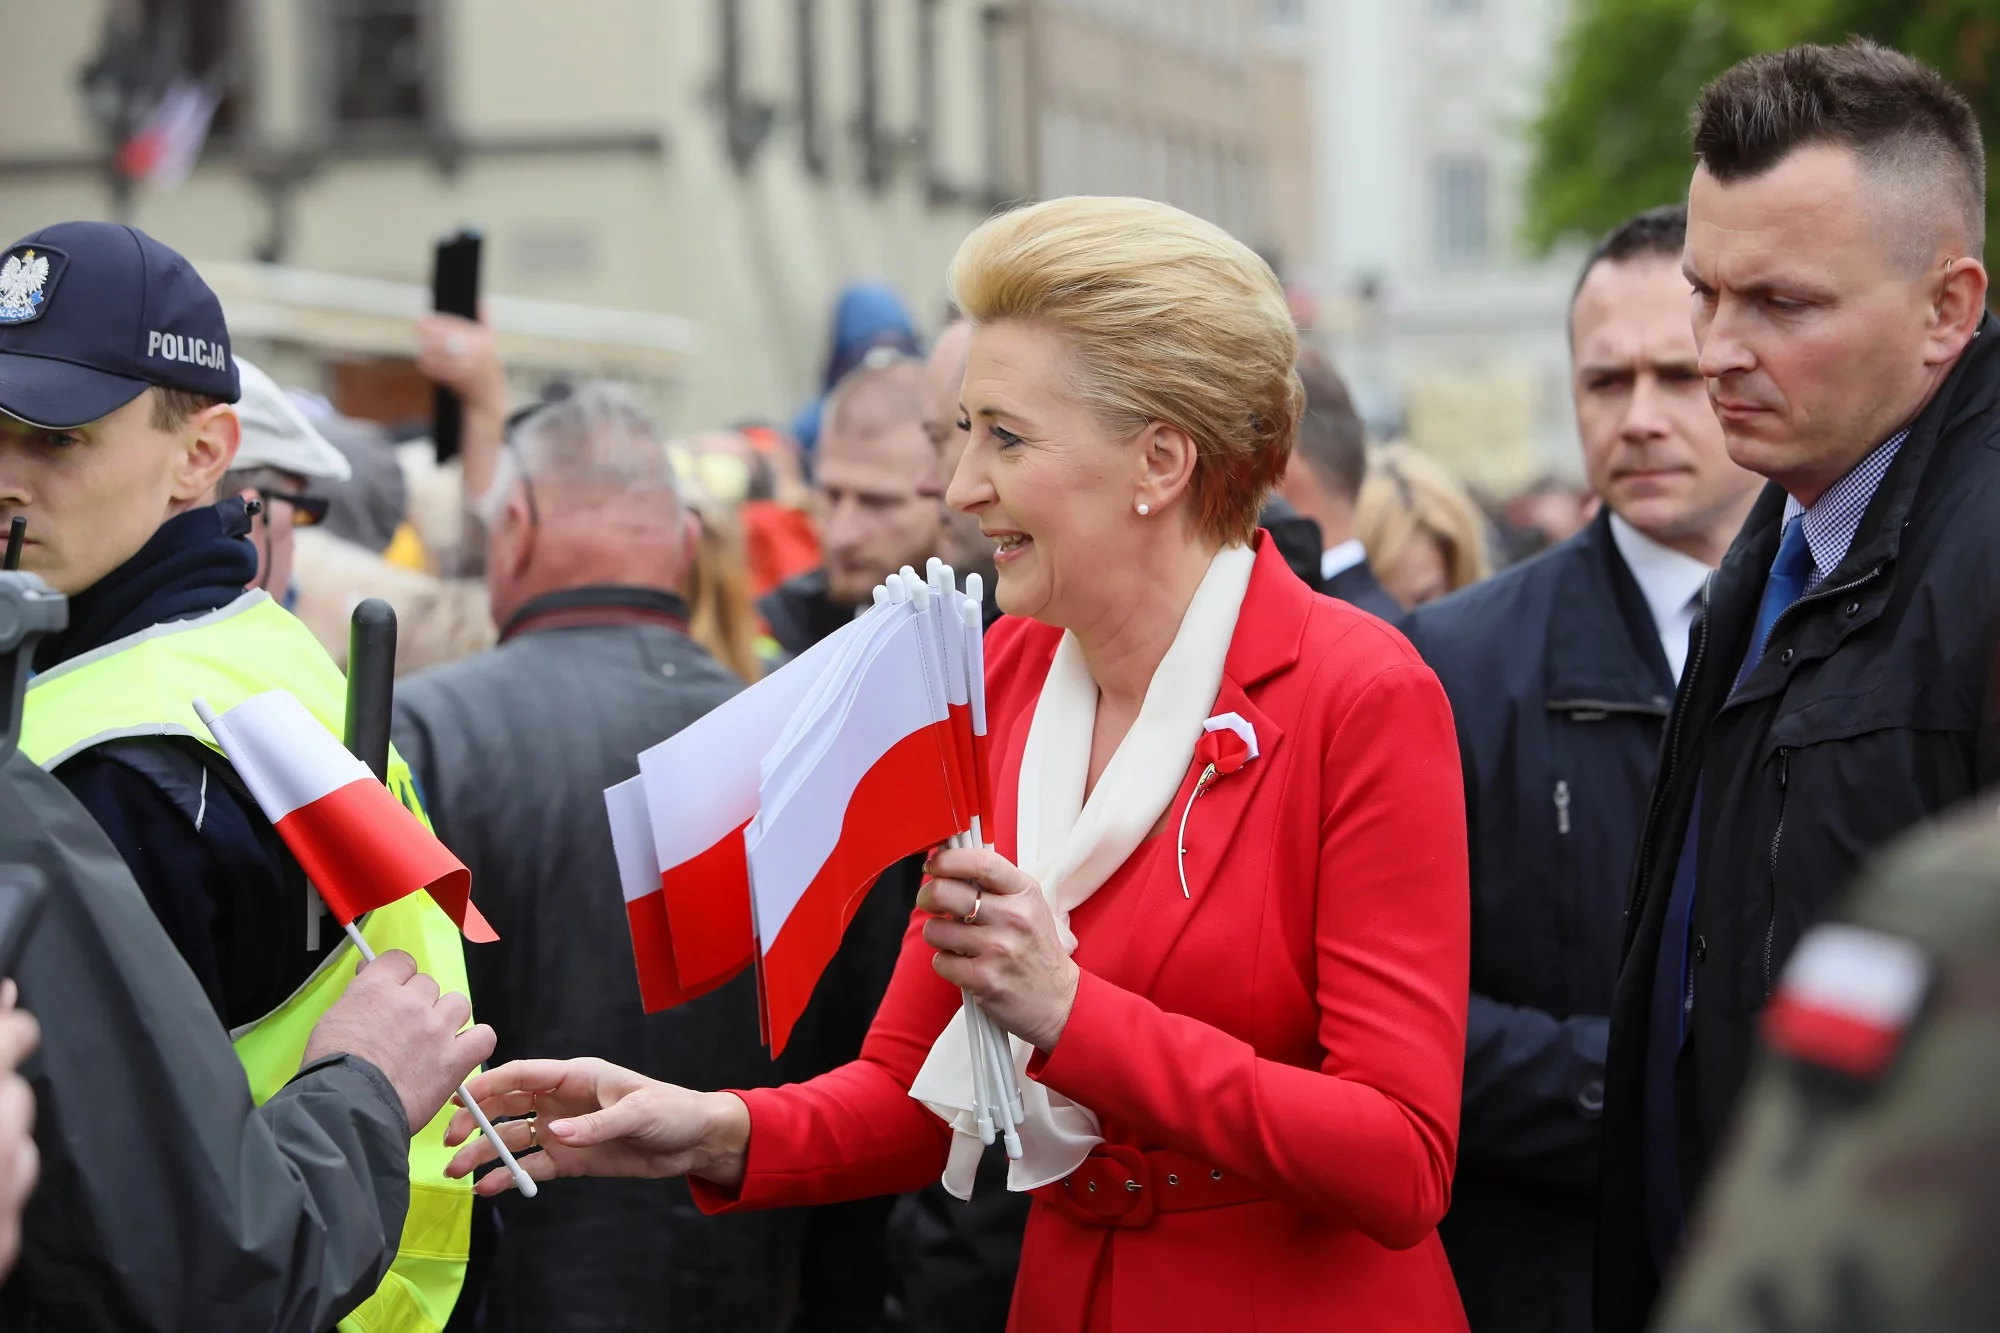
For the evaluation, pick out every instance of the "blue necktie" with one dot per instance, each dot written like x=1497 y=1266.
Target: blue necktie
x=1673 y=992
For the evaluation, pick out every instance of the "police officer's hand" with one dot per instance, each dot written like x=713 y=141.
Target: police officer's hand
x=393 y=1017
x=19 y=1163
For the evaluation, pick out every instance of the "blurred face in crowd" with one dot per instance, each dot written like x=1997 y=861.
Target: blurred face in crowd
x=1651 y=444
x=877 y=497
x=94 y=494
x=1420 y=572
x=1053 y=488
x=967 y=549
x=1825 y=316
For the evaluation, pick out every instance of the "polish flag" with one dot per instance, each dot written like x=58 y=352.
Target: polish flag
x=167 y=146
x=879 y=791
x=645 y=903
x=357 y=844
x=1846 y=999
x=690 y=916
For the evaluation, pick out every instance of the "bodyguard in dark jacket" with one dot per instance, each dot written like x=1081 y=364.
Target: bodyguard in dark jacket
x=1839 y=686
x=1560 y=672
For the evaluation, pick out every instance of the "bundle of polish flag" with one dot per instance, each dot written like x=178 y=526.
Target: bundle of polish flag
x=751 y=837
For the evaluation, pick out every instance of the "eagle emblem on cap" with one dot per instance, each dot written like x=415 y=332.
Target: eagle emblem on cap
x=22 y=278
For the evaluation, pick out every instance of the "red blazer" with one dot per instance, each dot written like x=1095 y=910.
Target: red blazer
x=1296 y=1024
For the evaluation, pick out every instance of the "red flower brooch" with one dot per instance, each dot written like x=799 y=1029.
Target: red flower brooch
x=1228 y=742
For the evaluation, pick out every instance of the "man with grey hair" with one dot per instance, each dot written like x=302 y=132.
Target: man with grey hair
x=1838 y=687
x=588 y=558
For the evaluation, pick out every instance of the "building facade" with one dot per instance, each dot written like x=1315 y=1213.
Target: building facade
x=1451 y=333
x=729 y=163
x=1200 y=103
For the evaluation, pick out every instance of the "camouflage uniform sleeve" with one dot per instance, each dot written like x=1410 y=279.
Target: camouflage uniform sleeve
x=1862 y=1189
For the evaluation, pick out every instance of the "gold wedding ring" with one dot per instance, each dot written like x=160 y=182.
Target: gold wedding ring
x=534 y=1131
x=972 y=918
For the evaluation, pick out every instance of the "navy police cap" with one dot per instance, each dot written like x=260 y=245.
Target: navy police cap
x=91 y=313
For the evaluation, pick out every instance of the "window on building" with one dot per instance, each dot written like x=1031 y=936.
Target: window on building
x=877 y=160
x=382 y=62
x=993 y=99
x=1459 y=205
x=933 y=123
x=195 y=39
x=812 y=133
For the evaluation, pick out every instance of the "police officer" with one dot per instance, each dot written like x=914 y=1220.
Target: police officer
x=1860 y=1192
x=117 y=384
x=169 y=1202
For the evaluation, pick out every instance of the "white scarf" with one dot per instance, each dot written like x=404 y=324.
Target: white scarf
x=1071 y=846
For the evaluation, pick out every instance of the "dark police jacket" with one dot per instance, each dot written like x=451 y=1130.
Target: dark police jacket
x=1872 y=710
x=1559 y=689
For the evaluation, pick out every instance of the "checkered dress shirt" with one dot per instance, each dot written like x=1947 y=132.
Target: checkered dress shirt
x=1831 y=521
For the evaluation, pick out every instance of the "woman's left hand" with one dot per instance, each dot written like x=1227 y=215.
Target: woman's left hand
x=1010 y=954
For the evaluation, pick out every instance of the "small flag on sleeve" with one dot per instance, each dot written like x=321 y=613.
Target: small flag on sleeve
x=1846 y=999
x=356 y=843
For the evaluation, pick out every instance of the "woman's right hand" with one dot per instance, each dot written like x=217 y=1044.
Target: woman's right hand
x=597 y=1119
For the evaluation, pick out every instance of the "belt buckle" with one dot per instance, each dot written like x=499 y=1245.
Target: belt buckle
x=1113 y=1187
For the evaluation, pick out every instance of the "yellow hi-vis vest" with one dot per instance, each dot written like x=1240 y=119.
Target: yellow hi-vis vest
x=145 y=685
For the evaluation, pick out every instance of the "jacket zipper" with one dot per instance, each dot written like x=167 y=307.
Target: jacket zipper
x=1777 y=836
x=1785 y=775
x=1562 y=805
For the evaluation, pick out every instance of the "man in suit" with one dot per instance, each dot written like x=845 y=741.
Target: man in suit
x=1839 y=682
x=1560 y=671
x=1323 y=481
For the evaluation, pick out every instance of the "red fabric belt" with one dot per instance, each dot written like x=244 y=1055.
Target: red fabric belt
x=1121 y=1186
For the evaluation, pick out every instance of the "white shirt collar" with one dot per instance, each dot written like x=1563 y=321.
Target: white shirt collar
x=1668 y=580
x=1339 y=559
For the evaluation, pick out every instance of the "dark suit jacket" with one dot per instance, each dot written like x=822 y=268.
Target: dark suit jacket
x=1559 y=689
x=1357 y=586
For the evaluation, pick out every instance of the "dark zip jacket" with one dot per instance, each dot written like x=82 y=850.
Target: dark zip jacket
x=1871 y=710
x=1559 y=689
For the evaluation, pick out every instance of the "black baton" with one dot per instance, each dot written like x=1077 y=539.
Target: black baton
x=371 y=683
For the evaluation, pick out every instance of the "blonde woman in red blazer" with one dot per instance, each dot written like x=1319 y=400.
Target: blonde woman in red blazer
x=1225 y=919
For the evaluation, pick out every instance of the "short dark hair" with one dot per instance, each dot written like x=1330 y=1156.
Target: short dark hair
x=173 y=407
x=1330 y=437
x=1891 y=111
x=1660 y=232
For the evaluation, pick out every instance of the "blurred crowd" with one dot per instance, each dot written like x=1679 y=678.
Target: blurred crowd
x=395 y=523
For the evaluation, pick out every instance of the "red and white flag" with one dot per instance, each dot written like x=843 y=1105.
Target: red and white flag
x=1846 y=999
x=875 y=790
x=167 y=146
x=690 y=918
x=356 y=843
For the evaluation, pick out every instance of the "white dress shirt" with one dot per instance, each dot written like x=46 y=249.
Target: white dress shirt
x=1339 y=559
x=1669 y=581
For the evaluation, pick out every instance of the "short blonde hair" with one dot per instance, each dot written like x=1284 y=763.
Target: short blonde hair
x=1169 y=319
x=1408 y=495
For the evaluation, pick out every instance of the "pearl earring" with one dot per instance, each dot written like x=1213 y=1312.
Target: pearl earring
x=1144 y=509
